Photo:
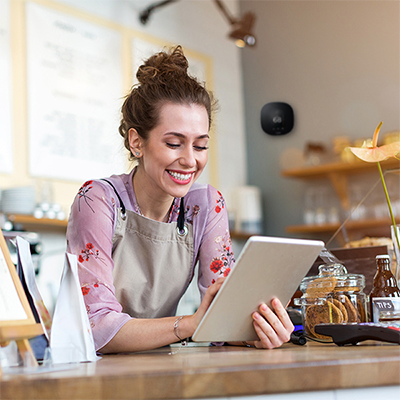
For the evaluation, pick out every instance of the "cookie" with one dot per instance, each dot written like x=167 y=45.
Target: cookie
x=362 y=315
x=325 y=313
x=347 y=289
x=341 y=307
x=352 y=315
x=320 y=286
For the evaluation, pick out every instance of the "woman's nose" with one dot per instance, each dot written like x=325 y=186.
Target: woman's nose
x=188 y=157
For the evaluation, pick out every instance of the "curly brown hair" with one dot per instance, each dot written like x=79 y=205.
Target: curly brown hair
x=163 y=78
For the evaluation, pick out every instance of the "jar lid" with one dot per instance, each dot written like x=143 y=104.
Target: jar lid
x=331 y=277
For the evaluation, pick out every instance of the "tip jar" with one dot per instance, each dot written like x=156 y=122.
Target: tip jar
x=332 y=296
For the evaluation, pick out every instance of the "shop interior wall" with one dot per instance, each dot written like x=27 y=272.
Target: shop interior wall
x=197 y=25
x=337 y=64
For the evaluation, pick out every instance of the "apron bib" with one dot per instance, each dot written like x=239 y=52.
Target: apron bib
x=152 y=264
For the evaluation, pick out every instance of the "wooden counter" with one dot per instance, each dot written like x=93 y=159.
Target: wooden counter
x=196 y=372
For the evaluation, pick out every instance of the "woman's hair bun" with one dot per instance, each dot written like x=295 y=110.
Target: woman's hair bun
x=163 y=66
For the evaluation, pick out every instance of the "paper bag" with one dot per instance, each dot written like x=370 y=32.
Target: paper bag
x=71 y=338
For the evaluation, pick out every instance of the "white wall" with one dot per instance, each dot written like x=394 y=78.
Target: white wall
x=338 y=64
x=199 y=26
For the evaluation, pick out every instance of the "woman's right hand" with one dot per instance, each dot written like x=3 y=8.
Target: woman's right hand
x=207 y=300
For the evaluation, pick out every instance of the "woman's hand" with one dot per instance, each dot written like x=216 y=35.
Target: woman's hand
x=207 y=299
x=273 y=327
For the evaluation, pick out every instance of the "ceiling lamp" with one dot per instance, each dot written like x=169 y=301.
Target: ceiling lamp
x=241 y=28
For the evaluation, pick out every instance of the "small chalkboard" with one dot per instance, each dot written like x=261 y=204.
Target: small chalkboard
x=17 y=321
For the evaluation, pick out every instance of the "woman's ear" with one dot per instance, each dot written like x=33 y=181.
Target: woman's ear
x=135 y=143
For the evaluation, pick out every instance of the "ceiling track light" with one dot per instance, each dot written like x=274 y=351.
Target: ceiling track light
x=241 y=28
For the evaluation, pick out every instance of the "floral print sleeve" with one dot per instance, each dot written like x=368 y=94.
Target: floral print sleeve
x=89 y=237
x=215 y=254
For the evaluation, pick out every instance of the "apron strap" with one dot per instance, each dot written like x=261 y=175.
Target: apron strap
x=182 y=228
x=123 y=210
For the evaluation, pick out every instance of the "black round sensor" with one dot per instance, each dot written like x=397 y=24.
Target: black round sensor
x=277 y=118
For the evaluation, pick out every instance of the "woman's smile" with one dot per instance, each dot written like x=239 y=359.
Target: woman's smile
x=182 y=178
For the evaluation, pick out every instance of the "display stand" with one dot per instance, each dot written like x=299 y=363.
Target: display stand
x=17 y=321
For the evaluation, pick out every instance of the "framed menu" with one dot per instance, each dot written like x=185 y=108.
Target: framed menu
x=16 y=318
x=74 y=94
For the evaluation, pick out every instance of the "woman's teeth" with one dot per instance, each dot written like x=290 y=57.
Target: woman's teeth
x=181 y=177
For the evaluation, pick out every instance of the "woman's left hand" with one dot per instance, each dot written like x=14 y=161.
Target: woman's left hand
x=273 y=327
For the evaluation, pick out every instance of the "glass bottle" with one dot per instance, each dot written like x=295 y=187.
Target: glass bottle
x=384 y=284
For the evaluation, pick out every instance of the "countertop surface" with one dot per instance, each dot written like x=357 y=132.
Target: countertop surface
x=196 y=372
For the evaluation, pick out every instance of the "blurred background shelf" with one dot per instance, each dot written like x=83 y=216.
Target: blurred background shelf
x=319 y=171
x=338 y=174
x=32 y=223
x=350 y=225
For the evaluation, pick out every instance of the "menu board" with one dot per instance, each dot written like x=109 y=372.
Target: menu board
x=74 y=72
x=143 y=49
x=11 y=308
x=6 y=148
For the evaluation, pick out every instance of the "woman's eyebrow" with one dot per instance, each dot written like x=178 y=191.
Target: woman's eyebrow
x=181 y=135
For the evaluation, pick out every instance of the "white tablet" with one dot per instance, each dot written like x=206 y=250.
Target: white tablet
x=267 y=267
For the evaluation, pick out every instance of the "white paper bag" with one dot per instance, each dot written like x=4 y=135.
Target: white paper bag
x=71 y=338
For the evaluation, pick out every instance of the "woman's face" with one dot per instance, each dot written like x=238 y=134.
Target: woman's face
x=176 y=152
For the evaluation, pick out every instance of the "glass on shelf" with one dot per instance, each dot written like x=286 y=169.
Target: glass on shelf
x=358 y=208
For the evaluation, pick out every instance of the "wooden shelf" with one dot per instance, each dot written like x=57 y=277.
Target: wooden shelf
x=350 y=225
x=319 y=171
x=37 y=223
x=47 y=223
x=338 y=173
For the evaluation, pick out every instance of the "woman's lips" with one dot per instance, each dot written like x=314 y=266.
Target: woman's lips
x=181 y=178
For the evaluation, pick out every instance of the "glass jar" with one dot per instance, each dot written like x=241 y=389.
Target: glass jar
x=332 y=296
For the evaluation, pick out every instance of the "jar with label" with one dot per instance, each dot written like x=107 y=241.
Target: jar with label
x=332 y=296
x=384 y=285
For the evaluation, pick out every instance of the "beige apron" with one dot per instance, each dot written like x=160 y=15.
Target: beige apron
x=152 y=263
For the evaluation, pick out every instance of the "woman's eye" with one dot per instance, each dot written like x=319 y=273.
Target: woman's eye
x=201 y=148
x=173 y=145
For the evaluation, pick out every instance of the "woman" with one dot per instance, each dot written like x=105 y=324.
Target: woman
x=138 y=236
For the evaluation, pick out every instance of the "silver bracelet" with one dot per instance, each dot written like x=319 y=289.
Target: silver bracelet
x=177 y=334
x=176 y=328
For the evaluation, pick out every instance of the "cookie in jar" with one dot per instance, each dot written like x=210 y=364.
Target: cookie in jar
x=332 y=296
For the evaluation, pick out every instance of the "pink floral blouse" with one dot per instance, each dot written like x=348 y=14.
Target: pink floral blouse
x=90 y=232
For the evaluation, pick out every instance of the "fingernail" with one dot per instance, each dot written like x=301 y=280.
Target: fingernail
x=263 y=307
x=256 y=315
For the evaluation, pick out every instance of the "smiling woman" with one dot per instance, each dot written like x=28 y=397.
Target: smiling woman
x=138 y=236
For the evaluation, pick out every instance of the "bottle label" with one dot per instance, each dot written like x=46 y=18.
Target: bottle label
x=380 y=304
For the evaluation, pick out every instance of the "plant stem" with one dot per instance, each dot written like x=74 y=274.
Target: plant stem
x=390 y=208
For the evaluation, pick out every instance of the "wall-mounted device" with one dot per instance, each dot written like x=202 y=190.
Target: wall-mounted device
x=277 y=118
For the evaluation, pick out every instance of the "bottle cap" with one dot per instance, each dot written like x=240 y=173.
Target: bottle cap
x=382 y=256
